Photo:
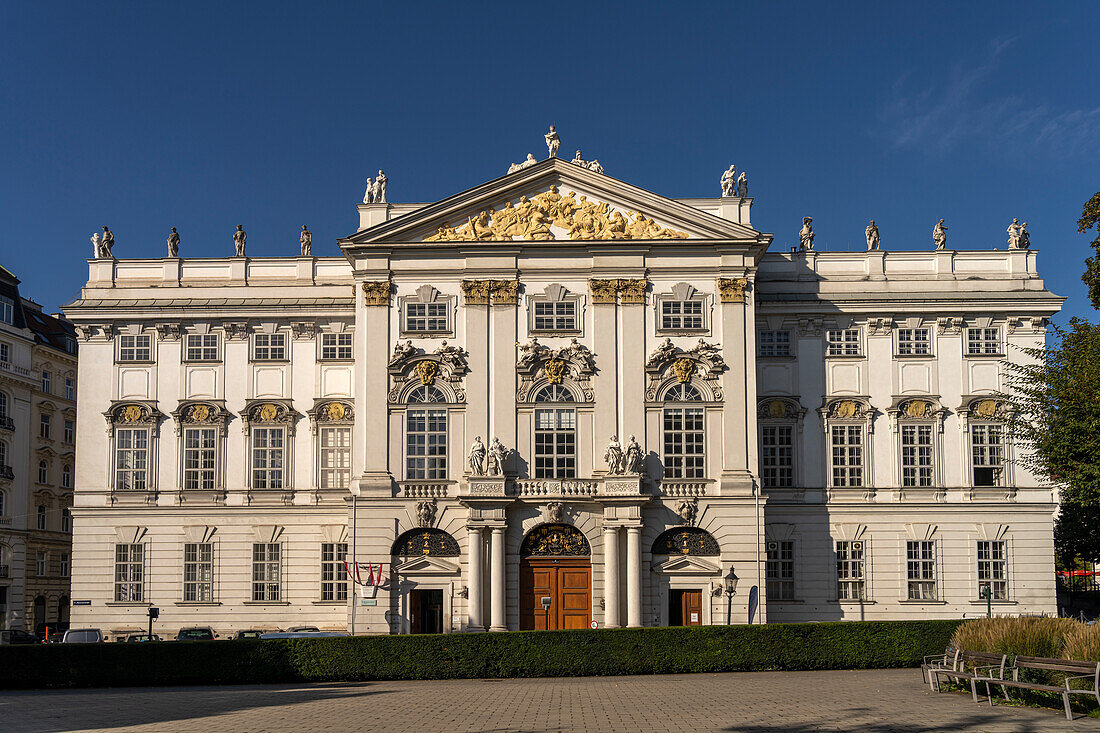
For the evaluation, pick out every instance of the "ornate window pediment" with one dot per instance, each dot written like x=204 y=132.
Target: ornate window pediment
x=270 y=413
x=426 y=541
x=200 y=414
x=411 y=367
x=686 y=541
x=331 y=412
x=669 y=364
x=987 y=408
x=918 y=409
x=780 y=408
x=572 y=365
x=132 y=413
x=847 y=408
x=555 y=540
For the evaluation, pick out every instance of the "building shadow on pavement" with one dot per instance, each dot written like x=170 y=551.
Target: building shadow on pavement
x=55 y=711
x=864 y=720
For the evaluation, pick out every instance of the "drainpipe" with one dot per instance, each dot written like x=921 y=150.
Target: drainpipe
x=354 y=560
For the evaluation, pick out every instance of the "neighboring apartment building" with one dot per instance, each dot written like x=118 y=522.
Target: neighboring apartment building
x=818 y=433
x=37 y=461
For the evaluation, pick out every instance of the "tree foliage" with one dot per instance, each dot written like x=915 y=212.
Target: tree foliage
x=1056 y=415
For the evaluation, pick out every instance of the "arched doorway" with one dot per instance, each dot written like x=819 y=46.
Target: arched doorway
x=686 y=562
x=422 y=561
x=555 y=564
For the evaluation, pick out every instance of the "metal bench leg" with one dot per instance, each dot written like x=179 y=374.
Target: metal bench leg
x=1069 y=712
x=974 y=689
x=989 y=694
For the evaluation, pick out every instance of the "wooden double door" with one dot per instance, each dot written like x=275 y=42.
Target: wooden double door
x=426 y=611
x=567 y=582
x=685 y=607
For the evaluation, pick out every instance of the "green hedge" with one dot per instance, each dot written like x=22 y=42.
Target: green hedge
x=834 y=645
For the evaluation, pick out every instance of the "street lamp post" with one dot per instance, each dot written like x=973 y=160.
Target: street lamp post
x=987 y=594
x=729 y=584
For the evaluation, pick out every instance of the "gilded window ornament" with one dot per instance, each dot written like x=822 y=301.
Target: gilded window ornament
x=426 y=371
x=268 y=412
x=683 y=369
x=555 y=370
x=686 y=541
x=131 y=414
x=377 y=292
x=732 y=290
x=779 y=408
x=198 y=413
x=554 y=540
x=426 y=542
x=986 y=409
x=335 y=411
x=917 y=409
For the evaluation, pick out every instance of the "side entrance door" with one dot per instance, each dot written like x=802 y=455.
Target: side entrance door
x=426 y=611
x=685 y=607
x=568 y=585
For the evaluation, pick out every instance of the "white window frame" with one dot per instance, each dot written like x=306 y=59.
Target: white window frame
x=42 y=517
x=844 y=342
x=441 y=314
x=852 y=473
x=198 y=572
x=206 y=349
x=555 y=320
x=7 y=310
x=47 y=381
x=337 y=346
x=41 y=564
x=776 y=343
x=134 y=348
x=908 y=343
x=334 y=575
x=852 y=557
x=43 y=472
x=921 y=570
x=678 y=315
x=200 y=461
x=987 y=343
x=334 y=467
x=555 y=446
x=987 y=454
x=66 y=476
x=684 y=433
x=70 y=388
x=69 y=434
x=271 y=477
x=45 y=426
x=991 y=564
x=269 y=350
x=909 y=459
x=144 y=452
x=770 y=454
x=66 y=519
x=129 y=576
x=5 y=352
x=267 y=572
x=65 y=562
x=780 y=567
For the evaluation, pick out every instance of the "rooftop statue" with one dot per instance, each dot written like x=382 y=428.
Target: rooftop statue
x=806 y=234
x=530 y=161
x=96 y=251
x=174 y=243
x=939 y=235
x=239 y=238
x=553 y=142
x=106 y=243
x=592 y=165
x=1015 y=234
x=728 y=182
x=873 y=238
x=306 y=240
x=380 y=188
x=368 y=194
x=743 y=185
x=1025 y=238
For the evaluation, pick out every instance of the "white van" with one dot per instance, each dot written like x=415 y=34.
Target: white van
x=82 y=636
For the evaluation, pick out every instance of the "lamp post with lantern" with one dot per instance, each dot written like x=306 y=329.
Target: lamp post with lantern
x=729 y=587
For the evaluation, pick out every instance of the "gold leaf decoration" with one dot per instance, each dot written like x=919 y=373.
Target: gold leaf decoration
x=555 y=370
x=199 y=413
x=683 y=369
x=986 y=408
x=132 y=413
x=335 y=411
x=917 y=409
x=268 y=412
x=427 y=370
x=777 y=408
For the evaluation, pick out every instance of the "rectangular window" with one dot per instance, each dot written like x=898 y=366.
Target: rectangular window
x=556 y=443
x=7 y=310
x=842 y=342
x=916 y=455
x=129 y=573
x=780 y=571
x=66 y=520
x=5 y=353
x=131 y=459
x=987 y=449
x=201 y=347
x=336 y=457
x=920 y=569
x=426 y=444
x=847 y=455
x=849 y=571
x=46 y=382
x=266 y=572
x=269 y=347
x=44 y=426
x=682 y=315
x=199 y=458
x=334 y=576
x=774 y=343
x=135 y=348
x=336 y=345
x=41 y=560
x=198 y=572
x=66 y=565
x=683 y=442
x=983 y=341
x=992 y=569
x=267 y=458
x=555 y=315
x=70 y=432
x=426 y=317
x=914 y=342
x=70 y=388
x=777 y=456
x=41 y=511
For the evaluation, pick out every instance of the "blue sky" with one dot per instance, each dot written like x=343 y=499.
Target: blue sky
x=202 y=116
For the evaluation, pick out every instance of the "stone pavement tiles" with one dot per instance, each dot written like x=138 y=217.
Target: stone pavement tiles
x=751 y=702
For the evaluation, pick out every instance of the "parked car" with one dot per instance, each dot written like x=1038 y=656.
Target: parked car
x=247 y=634
x=82 y=636
x=196 y=633
x=302 y=629
x=139 y=637
x=301 y=634
x=18 y=636
x=55 y=636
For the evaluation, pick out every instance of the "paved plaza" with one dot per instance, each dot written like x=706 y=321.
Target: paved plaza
x=757 y=702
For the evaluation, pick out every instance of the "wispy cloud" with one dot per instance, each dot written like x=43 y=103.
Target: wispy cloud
x=964 y=107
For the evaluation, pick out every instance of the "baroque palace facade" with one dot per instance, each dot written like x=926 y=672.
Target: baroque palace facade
x=559 y=400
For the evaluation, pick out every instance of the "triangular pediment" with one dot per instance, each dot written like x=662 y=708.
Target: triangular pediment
x=553 y=201
x=427 y=565
x=688 y=565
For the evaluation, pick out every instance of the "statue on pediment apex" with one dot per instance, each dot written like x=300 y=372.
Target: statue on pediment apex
x=1025 y=238
x=106 y=242
x=728 y=182
x=402 y=352
x=173 y=243
x=305 y=239
x=662 y=353
x=553 y=142
x=873 y=238
x=806 y=234
x=239 y=238
x=939 y=235
x=530 y=161
x=368 y=194
x=1015 y=234
x=380 y=188
x=96 y=249
x=743 y=185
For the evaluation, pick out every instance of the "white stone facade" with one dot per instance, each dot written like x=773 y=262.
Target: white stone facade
x=337 y=400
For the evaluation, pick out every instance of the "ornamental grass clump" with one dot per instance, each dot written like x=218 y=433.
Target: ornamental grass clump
x=1029 y=636
x=1083 y=643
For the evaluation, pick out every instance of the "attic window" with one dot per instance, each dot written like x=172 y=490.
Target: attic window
x=7 y=310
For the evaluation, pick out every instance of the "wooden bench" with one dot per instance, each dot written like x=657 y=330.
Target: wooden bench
x=948 y=660
x=970 y=667
x=1076 y=671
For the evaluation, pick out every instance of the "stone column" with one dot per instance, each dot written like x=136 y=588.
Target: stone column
x=475 y=596
x=611 y=577
x=496 y=580
x=633 y=576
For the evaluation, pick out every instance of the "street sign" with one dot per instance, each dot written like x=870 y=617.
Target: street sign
x=82 y=603
x=368 y=601
x=546 y=602
x=595 y=624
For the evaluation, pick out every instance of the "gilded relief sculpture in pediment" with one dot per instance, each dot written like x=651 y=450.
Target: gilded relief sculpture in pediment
x=531 y=219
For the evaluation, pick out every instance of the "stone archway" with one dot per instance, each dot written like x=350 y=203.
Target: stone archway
x=555 y=563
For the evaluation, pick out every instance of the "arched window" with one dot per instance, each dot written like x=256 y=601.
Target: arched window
x=555 y=435
x=3 y=405
x=43 y=472
x=426 y=435
x=683 y=432
x=67 y=477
